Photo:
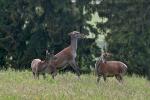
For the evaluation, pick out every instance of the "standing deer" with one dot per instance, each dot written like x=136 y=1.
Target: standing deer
x=42 y=67
x=68 y=54
x=110 y=68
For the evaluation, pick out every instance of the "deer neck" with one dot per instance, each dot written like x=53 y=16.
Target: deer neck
x=74 y=44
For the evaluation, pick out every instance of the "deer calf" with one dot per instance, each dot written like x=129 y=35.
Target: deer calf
x=41 y=67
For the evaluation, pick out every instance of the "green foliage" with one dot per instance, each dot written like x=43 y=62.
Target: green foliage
x=128 y=39
x=29 y=27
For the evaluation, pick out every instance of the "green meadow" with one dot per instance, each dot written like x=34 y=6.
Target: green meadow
x=20 y=85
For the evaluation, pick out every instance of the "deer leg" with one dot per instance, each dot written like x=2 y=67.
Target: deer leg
x=104 y=77
x=37 y=75
x=53 y=71
x=33 y=75
x=44 y=76
x=98 y=78
x=76 y=68
x=119 y=78
x=53 y=74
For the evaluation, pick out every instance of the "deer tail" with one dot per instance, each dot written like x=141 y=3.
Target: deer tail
x=124 y=68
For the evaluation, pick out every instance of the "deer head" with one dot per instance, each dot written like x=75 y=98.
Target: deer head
x=49 y=56
x=76 y=34
x=107 y=55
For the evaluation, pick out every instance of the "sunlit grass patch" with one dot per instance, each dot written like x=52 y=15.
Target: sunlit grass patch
x=16 y=85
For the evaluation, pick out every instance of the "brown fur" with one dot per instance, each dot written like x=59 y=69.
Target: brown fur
x=42 y=67
x=64 y=55
x=67 y=55
x=110 y=69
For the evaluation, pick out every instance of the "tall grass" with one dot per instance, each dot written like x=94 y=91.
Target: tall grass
x=15 y=85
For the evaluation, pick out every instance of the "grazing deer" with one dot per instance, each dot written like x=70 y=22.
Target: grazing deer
x=110 y=68
x=42 y=67
x=68 y=54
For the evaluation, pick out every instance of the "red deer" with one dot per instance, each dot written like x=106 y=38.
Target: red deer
x=110 y=68
x=68 y=54
x=42 y=67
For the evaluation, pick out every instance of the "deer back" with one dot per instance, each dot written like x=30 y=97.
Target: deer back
x=34 y=64
x=114 y=67
x=63 y=57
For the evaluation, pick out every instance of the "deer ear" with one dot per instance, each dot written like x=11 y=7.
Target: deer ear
x=46 y=51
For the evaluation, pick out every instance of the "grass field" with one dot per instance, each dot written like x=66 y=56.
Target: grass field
x=15 y=85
